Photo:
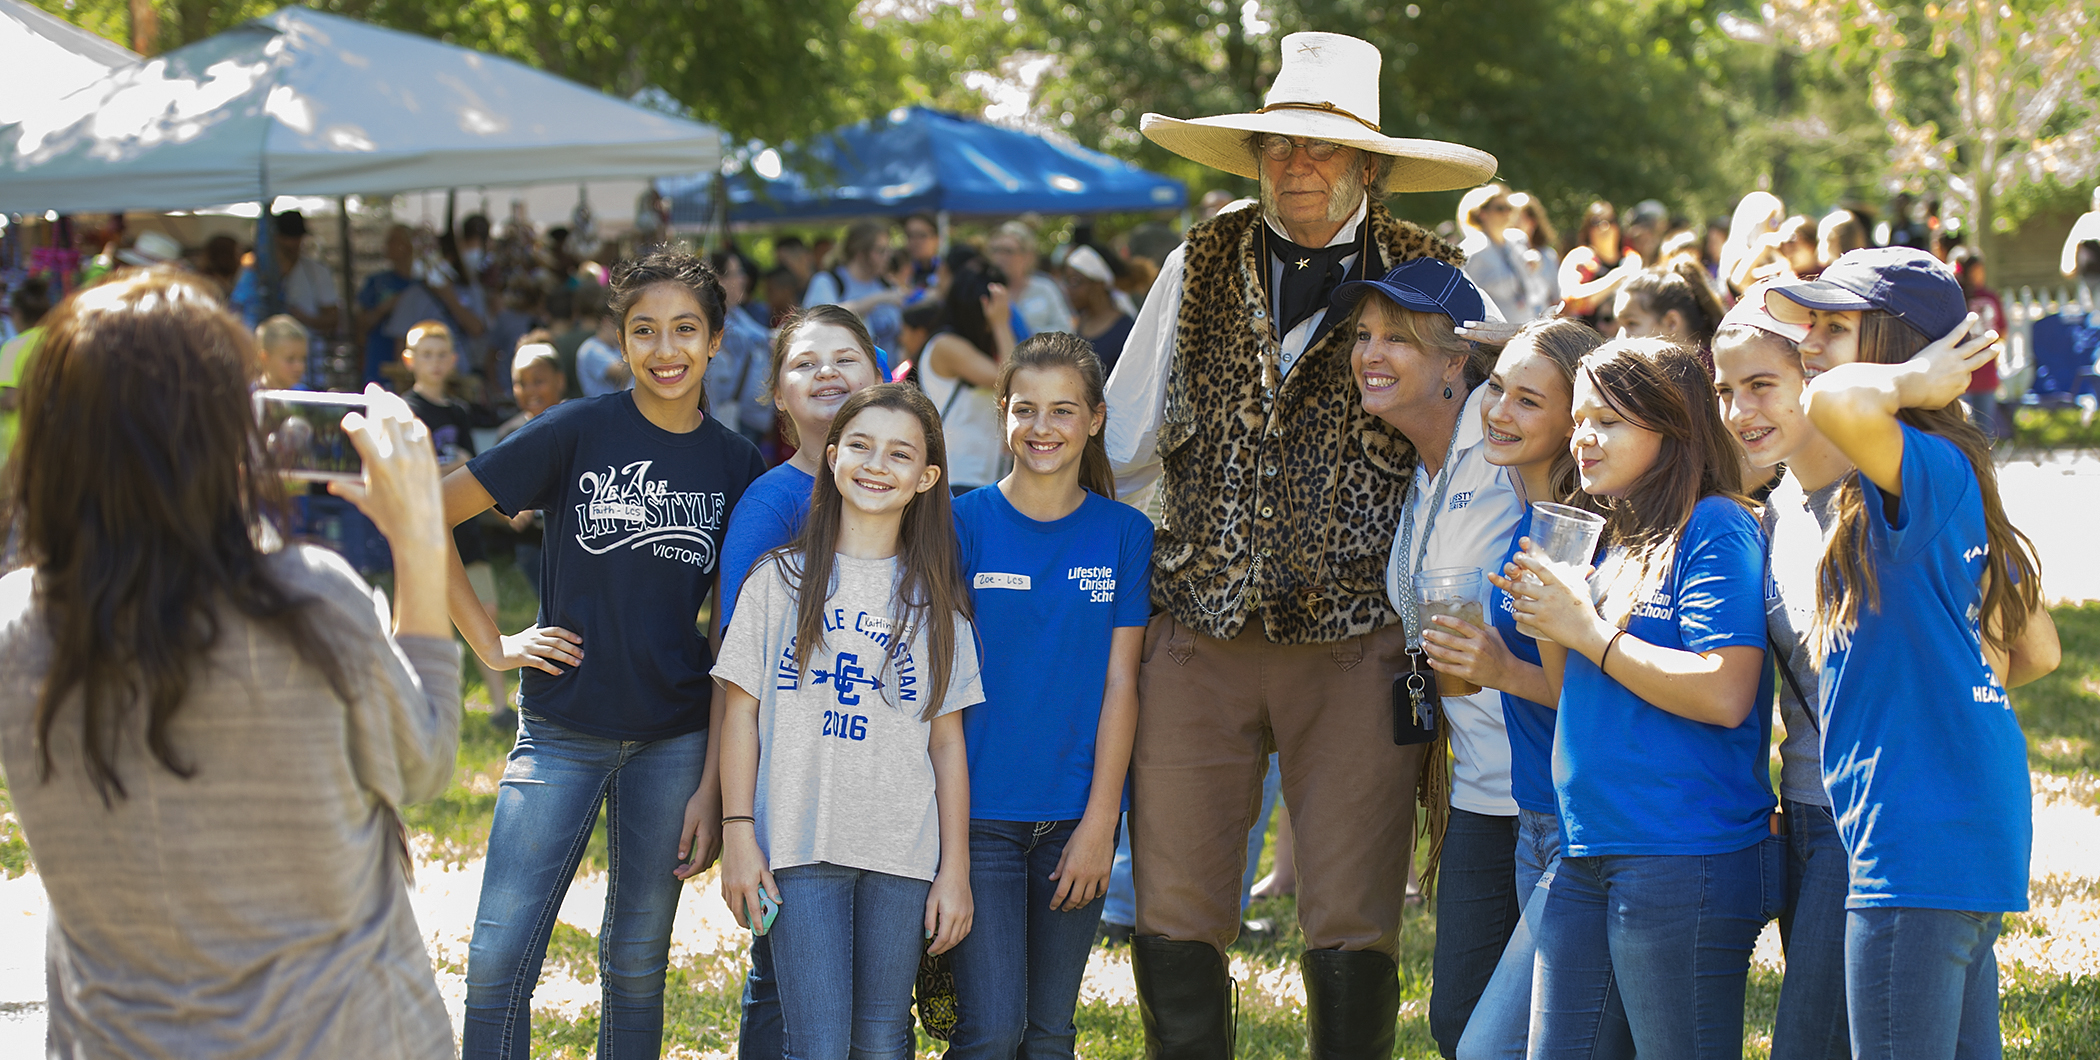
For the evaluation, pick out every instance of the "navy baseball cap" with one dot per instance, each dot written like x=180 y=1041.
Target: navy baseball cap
x=1909 y=284
x=1424 y=284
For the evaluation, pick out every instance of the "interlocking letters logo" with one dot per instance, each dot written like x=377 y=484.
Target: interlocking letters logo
x=845 y=674
x=628 y=509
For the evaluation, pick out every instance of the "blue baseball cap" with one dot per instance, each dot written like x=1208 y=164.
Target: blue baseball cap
x=1909 y=284
x=1424 y=284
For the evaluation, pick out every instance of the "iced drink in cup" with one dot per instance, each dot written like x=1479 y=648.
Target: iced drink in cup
x=1565 y=534
x=1453 y=591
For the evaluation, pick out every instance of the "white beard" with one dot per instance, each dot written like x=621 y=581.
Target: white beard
x=1342 y=199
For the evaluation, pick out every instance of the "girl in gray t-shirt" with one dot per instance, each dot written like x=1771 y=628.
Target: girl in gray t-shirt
x=845 y=787
x=1757 y=372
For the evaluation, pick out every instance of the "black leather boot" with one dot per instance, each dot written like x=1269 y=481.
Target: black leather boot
x=1352 y=1001
x=1185 y=998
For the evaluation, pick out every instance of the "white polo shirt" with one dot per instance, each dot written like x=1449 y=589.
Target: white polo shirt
x=1481 y=510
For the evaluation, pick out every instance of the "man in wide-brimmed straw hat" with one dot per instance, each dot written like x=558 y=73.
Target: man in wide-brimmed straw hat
x=1278 y=501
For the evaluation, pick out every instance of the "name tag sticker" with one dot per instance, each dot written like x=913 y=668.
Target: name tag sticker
x=994 y=580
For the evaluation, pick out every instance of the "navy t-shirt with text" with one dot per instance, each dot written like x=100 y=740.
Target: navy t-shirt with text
x=1049 y=598
x=1922 y=755
x=635 y=517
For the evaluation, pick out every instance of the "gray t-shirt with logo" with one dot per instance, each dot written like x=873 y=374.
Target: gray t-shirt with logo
x=844 y=776
x=1796 y=525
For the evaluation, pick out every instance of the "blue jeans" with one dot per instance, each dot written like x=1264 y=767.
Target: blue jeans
x=1811 y=1020
x=1018 y=972
x=1501 y=1025
x=552 y=787
x=1672 y=933
x=1122 y=895
x=1476 y=910
x=1922 y=984
x=759 y=1033
x=846 y=946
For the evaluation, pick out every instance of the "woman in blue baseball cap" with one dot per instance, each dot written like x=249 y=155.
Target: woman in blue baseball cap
x=1414 y=372
x=1924 y=762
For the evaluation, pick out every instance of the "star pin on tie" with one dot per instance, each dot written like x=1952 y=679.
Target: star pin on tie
x=1304 y=262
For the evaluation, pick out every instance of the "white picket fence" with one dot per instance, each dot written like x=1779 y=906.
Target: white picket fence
x=2016 y=364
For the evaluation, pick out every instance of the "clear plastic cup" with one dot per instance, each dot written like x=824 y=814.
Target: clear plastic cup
x=1565 y=534
x=1453 y=591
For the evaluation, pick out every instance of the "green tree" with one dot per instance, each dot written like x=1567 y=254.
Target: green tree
x=2025 y=96
x=1577 y=100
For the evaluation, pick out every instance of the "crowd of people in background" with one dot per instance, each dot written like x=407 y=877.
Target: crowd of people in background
x=490 y=288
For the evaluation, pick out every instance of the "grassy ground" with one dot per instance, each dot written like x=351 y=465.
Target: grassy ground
x=2045 y=1016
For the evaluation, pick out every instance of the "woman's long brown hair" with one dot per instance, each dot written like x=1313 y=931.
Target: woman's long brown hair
x=1663 y=387
x=140 y=485
x=1846 y=579
x=1060 y=349
x=930 y=589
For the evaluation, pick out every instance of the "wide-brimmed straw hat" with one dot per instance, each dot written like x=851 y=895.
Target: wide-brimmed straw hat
x=1327 y=90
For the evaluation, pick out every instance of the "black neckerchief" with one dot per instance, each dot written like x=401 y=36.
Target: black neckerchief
x=1310 y=277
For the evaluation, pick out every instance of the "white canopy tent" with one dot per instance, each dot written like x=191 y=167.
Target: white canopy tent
x=47 y=58
x=303 y=103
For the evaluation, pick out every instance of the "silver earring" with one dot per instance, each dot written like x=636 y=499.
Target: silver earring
x=1447 y=393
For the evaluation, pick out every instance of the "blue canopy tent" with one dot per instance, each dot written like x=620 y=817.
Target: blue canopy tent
x=919 y=159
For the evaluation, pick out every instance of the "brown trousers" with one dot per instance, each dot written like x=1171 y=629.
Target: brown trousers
x=1210 y=711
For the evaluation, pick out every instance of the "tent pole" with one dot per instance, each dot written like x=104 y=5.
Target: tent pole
x=271 y=286
x=940 y=224
x=721 y=209
x=346 y=317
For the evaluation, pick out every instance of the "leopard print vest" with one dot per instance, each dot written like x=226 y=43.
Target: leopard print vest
x=1277 y=501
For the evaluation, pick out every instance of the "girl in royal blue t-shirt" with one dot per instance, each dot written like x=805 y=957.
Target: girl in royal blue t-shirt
x=1052 y=559
x=1928 y=609
x=1659 y=751
x=615 y=711
x=1526 y=422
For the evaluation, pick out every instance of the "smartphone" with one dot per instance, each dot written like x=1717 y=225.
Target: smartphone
x=303 y=431
x=767 y=910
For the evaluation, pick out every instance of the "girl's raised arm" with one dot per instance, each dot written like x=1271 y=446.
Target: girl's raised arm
x=1855 y=405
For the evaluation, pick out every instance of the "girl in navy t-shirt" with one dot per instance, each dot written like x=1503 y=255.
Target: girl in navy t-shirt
x=1526 y=422
x=615 y=706
x=1659 y=750
x=1052 y=559
x=1929 y=608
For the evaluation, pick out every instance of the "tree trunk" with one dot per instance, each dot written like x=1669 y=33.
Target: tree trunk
x=145 y=27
